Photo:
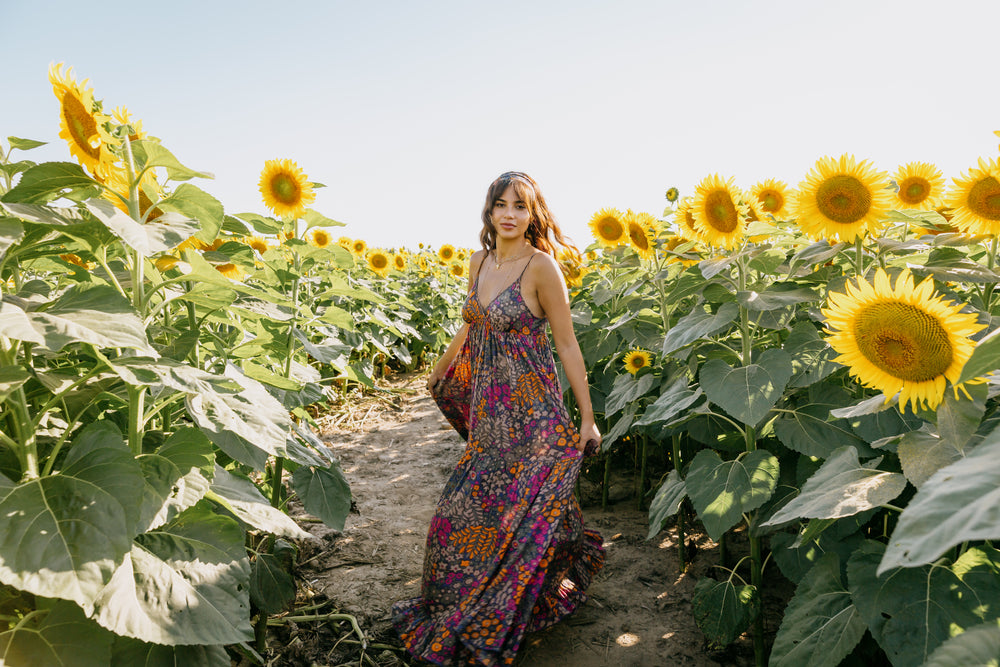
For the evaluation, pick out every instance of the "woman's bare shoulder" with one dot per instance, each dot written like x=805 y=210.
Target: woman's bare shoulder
x=543 y=265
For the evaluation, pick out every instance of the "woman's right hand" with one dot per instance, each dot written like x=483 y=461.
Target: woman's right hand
x=436 y=376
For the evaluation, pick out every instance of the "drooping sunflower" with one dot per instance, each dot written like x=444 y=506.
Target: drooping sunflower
x=258 y=243
x=446 y=253
x=903 y=339
x=685 y=220
x=641 y=231
x=672 y=242
x=672 y=195
x=345 y=243
x=771 y=197
x=716 y=212
x=81 y=123
x=378 y=261
x=975 y=199
x=921 y=186
x=608 y=227
x=359 y=248
x=116 y=190
x=842 y=198
x=285 y=188
x=320 y=238
x=636 y=360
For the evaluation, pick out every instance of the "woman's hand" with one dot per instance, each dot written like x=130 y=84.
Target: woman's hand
x=437 y=374
x=588 y=432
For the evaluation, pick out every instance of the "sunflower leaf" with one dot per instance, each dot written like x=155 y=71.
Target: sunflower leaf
x=979 y=645
x=63 y=636
x=722 y=491
x=698 y=324
x=191 y=201
x=666 y=503
x=722 y=610
x=984 y=359
x=151 y=153
x=812 y=357
x=24 y=144
x=747 y=392
x=775 y=297
x=47 y=181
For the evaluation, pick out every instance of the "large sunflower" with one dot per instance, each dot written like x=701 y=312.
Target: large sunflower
x=771 y=197
x=378 y=261
x=921 y=186
x=285 y=189
x=842 y=198
x=636 y=360
x=902 y=340
x=716 y=212
x=975 y=199
x=684 y=219
x=641 y=231
x=81 y=122
x=608 y=227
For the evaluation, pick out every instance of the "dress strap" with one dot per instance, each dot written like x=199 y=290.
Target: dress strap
x=526 y=265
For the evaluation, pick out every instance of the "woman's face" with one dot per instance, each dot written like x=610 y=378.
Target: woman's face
x=510 y=215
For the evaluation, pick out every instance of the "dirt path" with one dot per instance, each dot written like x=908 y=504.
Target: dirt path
x=639 y=613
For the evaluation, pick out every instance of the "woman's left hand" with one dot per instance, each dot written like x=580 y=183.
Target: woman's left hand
x=588 y=432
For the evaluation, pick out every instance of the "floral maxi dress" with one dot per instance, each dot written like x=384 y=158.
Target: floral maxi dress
x=507 y=552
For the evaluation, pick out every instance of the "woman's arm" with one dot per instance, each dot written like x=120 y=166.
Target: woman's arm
x=444 y=361
x=554 y=300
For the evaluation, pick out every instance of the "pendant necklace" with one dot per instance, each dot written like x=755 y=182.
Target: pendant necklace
x=498 y=262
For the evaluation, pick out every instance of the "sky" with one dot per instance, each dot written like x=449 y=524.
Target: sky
x=406 y=111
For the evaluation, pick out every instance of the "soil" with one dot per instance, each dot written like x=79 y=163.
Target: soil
x=397 y=459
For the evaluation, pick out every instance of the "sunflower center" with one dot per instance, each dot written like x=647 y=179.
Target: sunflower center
x=285 y=188
x=721 y=212
x=638 y=238
x=379 y=262
x=904 y=341
x=610 y=228
x=771 y=200
x=843 y=199
x=914 y=190
x=81 y=125
x=984 y=198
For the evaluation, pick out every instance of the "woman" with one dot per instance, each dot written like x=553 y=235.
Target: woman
x=507 y=552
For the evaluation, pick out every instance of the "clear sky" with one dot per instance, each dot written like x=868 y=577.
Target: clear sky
x=406 y=111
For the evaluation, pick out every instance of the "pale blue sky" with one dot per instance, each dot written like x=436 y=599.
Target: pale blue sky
x=407 y=110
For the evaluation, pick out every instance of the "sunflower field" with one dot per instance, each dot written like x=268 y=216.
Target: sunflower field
x=809 y=369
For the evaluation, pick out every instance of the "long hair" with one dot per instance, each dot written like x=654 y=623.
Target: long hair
x=543 y=232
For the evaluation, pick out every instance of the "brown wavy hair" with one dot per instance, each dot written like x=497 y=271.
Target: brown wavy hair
x=543 y=232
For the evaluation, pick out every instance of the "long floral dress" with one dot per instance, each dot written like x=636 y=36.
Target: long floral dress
x=507 y=552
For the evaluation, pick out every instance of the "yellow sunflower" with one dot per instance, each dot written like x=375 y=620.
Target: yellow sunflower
x=116 y=190
x=285 y=188
x=359 y=248
x=122 y=117
x=446 y=253
x=345 y=242
x=457 y=269
x=229 y=270
x=771 y=197
x=73 y=258
x=422 y=263
x=258 y=243
x=685 y=220
x=716 y=212
x=672 y=195
x=842 y=198
x=80 y=123
x=320 y=238
x=904 y=340
x=166 y=262
x=608 y=227
x=378 y=261
x=636 y=360
x=921 y=186
x=641 y=231
x=399 y=261
x=674 y=241
x=975 y=199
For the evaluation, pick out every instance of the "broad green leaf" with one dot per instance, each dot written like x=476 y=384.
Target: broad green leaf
x=314 y=219
x=776 y=296
x=721 y=491
x=42 y=214
x=193 y=202
x=184 y=583
x=699 y=324
x=666 y=502
x=958 y=418
x=812 y=357
x=189 y=448
x=240 y=496
x=15 y=324
x=959 y=503
x=175 y=375
x=151 y=153
x=911 y=611
x=24 y=144
x=922 y=454
x=269 y=377
x=160 y=235
x=626 y=390
x=11 y=233
x=747 y=392
x=978 y=646
x=817 y=253
x=59 y=637
x=47 y=181
x=723 y=610
x=168 y=491
x=128 y=652
x=841 y=487
x=11 y=378
x=671 y=402
x=866 y=406
x=796 y=561
x=809 y=429
x=821 y=625
x=324 y=492
x=272 y=588
x=985 y=358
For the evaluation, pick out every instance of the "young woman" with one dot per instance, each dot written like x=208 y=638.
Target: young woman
x=507 y=552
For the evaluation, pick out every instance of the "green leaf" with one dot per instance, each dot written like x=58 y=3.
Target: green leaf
x=978 y=646
x=193 y=202
x=11 y=378
x=314 y=219
x=160 y=235
x=699 y=324
x=151 y=153
x=817 y=253
x=775 y=297
x=722 y=610
x=922 y=454
x=959 y=418
x=59 y=637
x=626 y=390
x=189 y=448
x=911 y=611
x=184 y=583
x=747 y=392
x=985 y=358
x=11 y=233
x=821 y=625
x=959 y=503
x=665 y=504
x=128 y=652
x=675 y=399
x=721 y=491
x=812 y=357
x=272 y=588
x=24 y=144
x=168 y=491
x=176 y=375
x=808 y=429
x=324 y=492
x=239 y=495
x=47 y=181
x=841 y=487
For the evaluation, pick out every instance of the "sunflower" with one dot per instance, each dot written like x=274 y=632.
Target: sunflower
x=975 y=199
x=685 y=221
x=608 y=227
x=422 y=263
x=842 y=198
x=258 y=243
x=122 y=117
x=446 y=253
x=116 y=190
x=717 y=216
x=193 y=243
x=359 y=248
x=904 y=340
x=672 y=195
x=166 y=262
x=345 y=242
x=378 y=261
x=285 y=189
x=771 y=197
x=230 y=270
x=399 y=261
x=320 y=238
x=81 y=124
x=636 y=360
x=76 y=259
x=456 y=269
x=921 y=186
x=641 y=230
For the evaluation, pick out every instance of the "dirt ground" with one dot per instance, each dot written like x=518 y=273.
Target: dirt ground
x=397 y=460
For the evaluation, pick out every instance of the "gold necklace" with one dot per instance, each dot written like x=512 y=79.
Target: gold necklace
x=498 y=262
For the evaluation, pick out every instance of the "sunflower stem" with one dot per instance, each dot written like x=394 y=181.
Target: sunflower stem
x=859 y=259
x=681 y=556
x=989 y=288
